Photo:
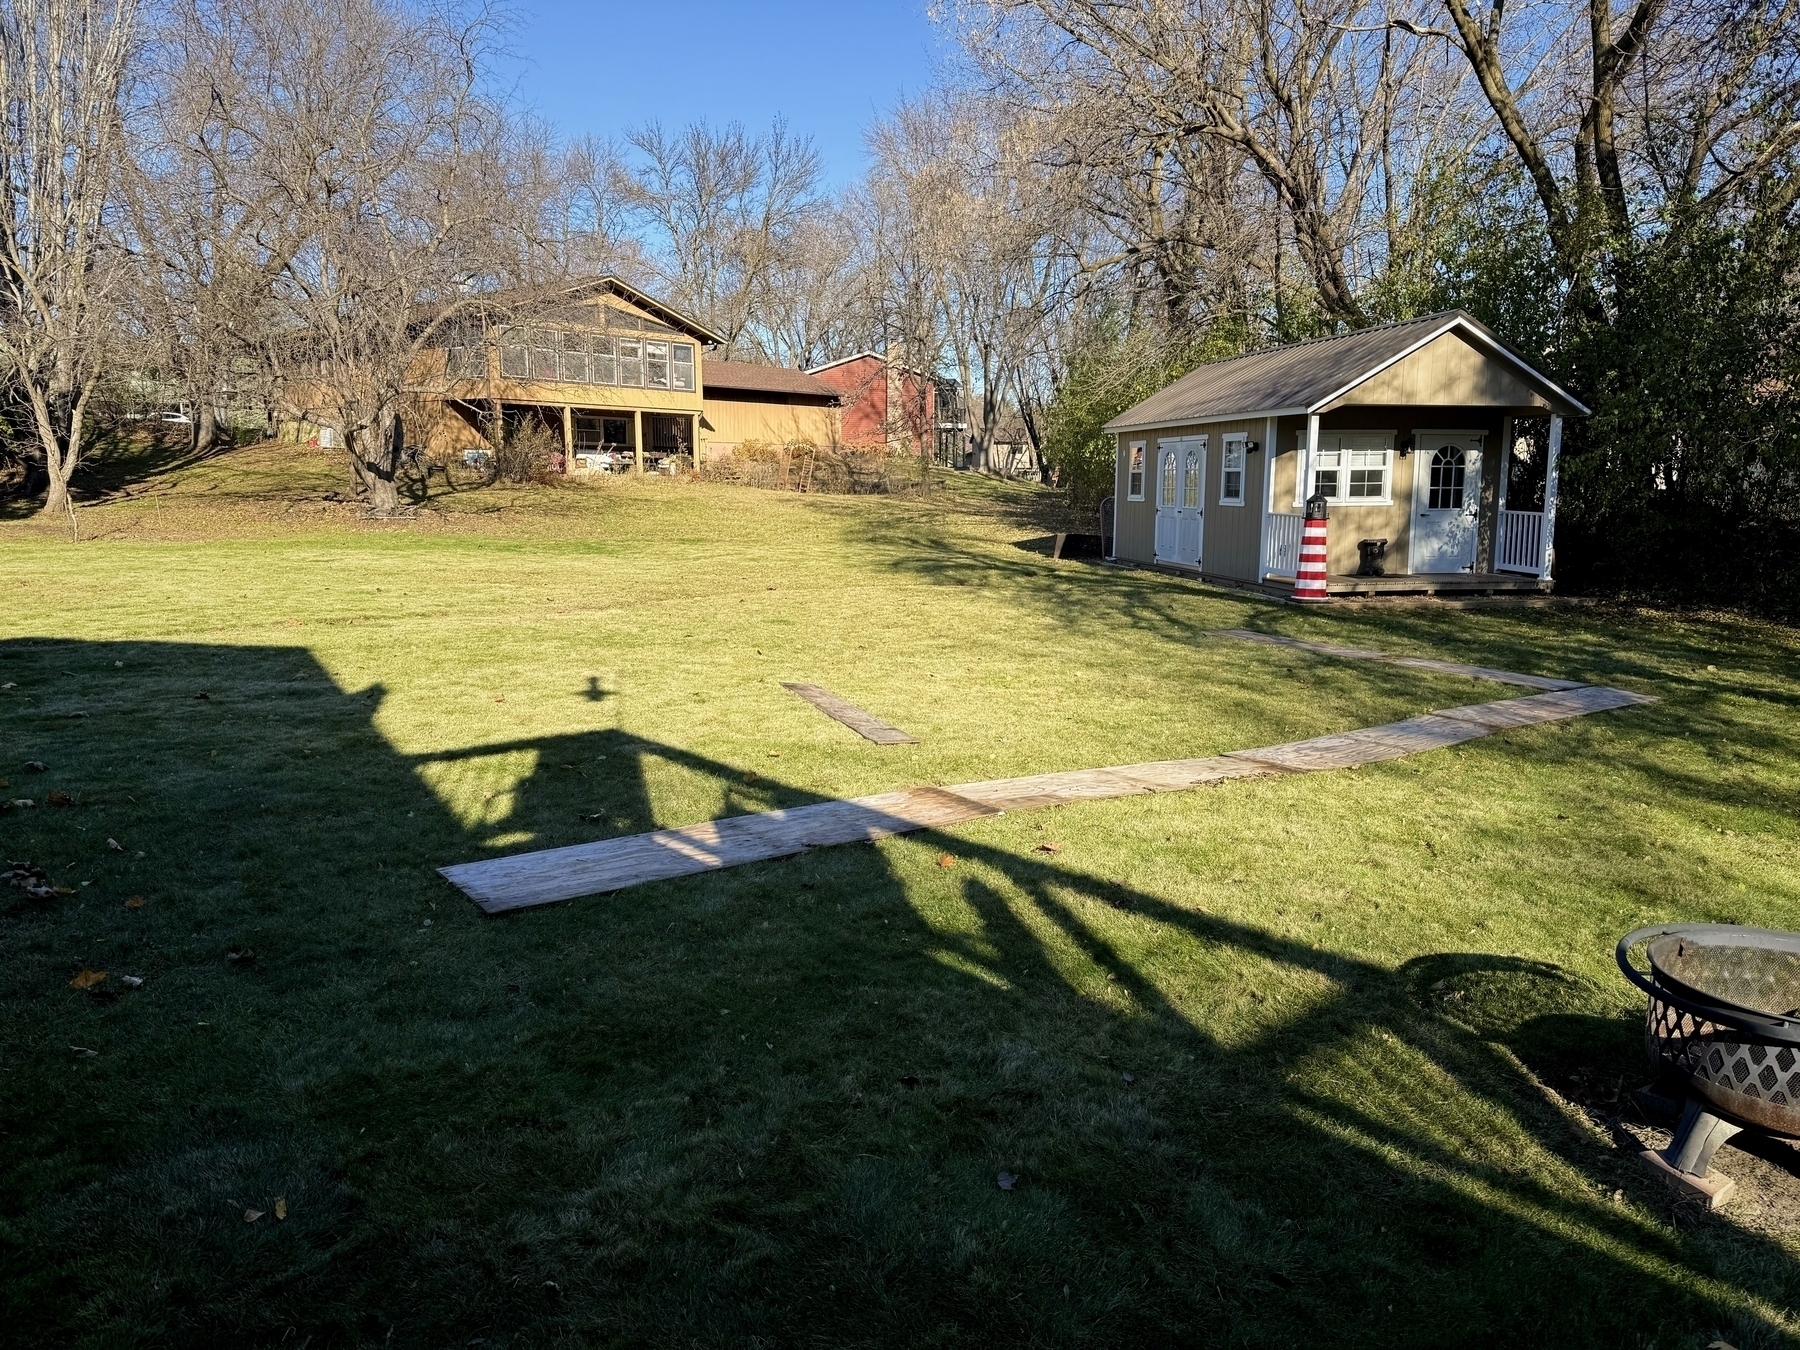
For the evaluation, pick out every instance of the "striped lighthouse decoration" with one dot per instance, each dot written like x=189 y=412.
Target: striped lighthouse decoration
x=1309 y=577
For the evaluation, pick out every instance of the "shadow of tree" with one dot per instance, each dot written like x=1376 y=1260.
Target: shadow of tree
x=759 y=1106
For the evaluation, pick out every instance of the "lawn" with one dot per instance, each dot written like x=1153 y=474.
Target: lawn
x=1327 y=1059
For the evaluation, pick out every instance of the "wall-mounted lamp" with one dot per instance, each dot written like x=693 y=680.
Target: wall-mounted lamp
x=1405 y=447
x=1251 y=447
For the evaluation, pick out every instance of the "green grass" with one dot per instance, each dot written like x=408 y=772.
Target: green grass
x=1373 y=1034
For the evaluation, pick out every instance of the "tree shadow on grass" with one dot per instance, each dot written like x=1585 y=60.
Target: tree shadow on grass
x=763 y=1106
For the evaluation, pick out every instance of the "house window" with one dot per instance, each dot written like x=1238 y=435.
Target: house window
x=603 y=363
x=1231 y=472
x=574 y=359
x=656 y=365
x=681 y=364
x=631 y=361
x=543 y=353
x=465 y=357
x=1134 y=476
x=515 y=356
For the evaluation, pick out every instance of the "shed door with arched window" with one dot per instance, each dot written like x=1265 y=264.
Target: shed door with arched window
x=1446 y=502
x=1180 y=498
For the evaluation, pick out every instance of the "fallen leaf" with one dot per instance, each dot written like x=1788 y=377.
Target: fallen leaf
x=1129 y=1078
x=132 y=981
x=23 y=803
x=57 y=797
x=499 y=698
x=1006 y=1181
x=115 y=845
x=280 y=1207
x=774 y=754
x=750 y=777
x=37 y=766
x=77 y=714
x=252 y=1215
x=242 y=958
x=62 y=890
x=10 y=684
x=4 y=783
x=84 y=1052
x=1049 y=848
x=945 y=860
x=139 y=853
x=87 y=979
x=134 y=902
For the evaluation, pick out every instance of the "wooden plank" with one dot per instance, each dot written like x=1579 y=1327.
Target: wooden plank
x=862 y=723
x=1484 y=673
x=1366 y=746
x=1126 y=780
x=1551 y=707
x=1317 y=648
x=549 y=875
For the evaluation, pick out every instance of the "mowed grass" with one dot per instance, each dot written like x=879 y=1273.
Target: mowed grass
x=1328 y=1059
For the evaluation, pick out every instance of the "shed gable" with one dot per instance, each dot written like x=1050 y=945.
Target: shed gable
x=1451 y=371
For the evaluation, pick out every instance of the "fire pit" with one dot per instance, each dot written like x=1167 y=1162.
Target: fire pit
x=1724 y=1017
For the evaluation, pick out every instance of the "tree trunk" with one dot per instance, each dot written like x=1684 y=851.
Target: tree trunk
x=206 y=427
x=376 y=453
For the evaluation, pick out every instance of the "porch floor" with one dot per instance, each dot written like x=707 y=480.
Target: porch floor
x=1444 y=583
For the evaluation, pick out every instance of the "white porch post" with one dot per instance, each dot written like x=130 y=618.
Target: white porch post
x=1548 y=561
x=1268 y=499
x=1304 y=462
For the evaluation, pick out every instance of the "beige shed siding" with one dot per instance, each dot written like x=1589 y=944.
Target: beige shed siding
x=1446 y=371
x=1231 y=543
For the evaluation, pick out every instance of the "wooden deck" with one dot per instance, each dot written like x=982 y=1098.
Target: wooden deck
x=550 y=875
x=1446 y=583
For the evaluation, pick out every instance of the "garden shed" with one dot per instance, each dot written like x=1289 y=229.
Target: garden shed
x=1434 y=443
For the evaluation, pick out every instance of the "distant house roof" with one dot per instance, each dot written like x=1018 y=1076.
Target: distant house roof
x=743 y=377
x=1307 y=376
x=846 y=360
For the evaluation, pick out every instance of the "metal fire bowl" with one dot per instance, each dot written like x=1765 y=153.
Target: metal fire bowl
x=1725 y=1013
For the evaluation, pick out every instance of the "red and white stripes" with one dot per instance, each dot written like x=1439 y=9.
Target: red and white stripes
x=1309 y=577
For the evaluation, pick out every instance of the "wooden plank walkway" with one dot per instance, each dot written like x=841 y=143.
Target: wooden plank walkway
x=1415 y=662
x=862 y=723
x=550 y=875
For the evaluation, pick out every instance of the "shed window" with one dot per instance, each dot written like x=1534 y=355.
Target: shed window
x=1134 y=474
x=681 y=364
x=1190 y=482
x=1354 y=469
x=1166 y=493
x=1231 y=472
x=1448 y=474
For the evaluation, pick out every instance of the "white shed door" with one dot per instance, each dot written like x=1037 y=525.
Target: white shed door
x=1181 y=489
x=1446 y=503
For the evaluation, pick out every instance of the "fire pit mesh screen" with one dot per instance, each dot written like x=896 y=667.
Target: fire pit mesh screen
x=1764 y=978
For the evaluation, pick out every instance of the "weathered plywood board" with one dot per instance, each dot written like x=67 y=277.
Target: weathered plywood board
x=863 y=724
x=1414 y=662
x=1317 y=648
x=1551 y=707
x=549 y=875
x=1370 y=744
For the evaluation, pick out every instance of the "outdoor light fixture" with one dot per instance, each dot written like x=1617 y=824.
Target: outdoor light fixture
x=1405 y=446
x=1251 y=447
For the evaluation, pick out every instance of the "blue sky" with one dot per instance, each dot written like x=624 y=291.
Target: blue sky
x=829 y=68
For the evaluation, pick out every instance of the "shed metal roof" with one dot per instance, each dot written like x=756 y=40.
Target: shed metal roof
x=1305 y=377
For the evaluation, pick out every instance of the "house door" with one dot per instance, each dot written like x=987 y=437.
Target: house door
x=1446 y=503
x=1179 y=517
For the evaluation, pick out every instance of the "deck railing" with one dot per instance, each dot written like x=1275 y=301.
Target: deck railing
x=1282 y=555
x=1520 y=547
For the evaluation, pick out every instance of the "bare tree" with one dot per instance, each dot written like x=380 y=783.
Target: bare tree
x=725 y=210
x=63 y=67
x=412 y=201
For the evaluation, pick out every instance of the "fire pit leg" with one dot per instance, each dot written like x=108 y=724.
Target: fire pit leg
x=1697 y=1138
x=1686 y=1164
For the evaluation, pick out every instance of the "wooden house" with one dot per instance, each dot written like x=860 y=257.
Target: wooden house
x=623 y=381
x=1433 y=443
x=883 y=403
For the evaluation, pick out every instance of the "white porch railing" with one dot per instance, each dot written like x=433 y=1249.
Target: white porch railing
x=1520 y=547
x=1281 y=556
